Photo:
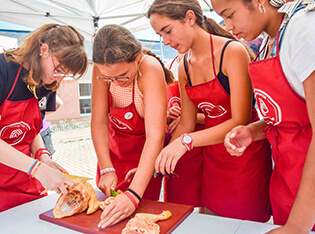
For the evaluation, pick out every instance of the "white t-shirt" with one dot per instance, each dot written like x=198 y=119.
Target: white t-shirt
x=297 y=52
x=174 y=68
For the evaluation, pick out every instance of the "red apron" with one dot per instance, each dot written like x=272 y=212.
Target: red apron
x=126 y=142
x=288 y=131
x=235 y=187
x=184 y=186
x=19 y=125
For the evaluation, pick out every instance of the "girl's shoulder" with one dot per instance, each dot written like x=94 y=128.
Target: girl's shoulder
x=149 y=65
x=149 y=61
x=302 y=18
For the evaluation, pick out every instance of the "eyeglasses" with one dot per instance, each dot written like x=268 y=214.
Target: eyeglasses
x=60 y=74
x=115 y=78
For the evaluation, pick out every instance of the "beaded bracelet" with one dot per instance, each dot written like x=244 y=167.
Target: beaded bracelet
x=131 y=199
x=107 y=170
x=41 y=151
x=35 y=168
x=31 y=168
x=134 y=193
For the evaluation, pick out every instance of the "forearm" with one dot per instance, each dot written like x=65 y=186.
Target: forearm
x=37 y=143
x=100 y=139
x=13 y=158
x=145 y=168
x=302 y=214
x=183 y=128
x=214 y=135
x=257 y=129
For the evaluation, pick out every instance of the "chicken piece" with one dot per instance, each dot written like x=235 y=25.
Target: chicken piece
x=145 y=223
x=93 y=203
x=141 y=224
x=166 y=214
x=107 y=201
x=78 y=199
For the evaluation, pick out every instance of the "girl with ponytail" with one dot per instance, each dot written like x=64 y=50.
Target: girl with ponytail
x=213 y=77
x=128 y=119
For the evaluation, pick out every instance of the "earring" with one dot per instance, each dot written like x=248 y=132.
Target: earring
x=262 y=8
x=40 y=54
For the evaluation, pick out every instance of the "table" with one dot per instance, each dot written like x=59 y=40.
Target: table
x=25 y=219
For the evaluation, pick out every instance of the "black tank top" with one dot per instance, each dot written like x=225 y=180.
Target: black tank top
x=223 y=79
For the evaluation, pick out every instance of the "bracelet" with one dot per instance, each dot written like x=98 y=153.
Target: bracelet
x=107 y=170
x=131 y=199
x=41 y=151
x=134 y=193
x=35 y=168
x=31 y=168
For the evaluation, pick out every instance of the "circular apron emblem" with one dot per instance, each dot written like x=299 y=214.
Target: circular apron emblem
x=128 y=115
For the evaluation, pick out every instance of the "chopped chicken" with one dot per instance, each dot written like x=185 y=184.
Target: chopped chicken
x=145 y=223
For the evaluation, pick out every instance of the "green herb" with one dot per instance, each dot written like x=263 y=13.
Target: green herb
x=113 y=193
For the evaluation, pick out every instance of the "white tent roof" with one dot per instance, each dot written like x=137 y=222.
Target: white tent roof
x=81 y=14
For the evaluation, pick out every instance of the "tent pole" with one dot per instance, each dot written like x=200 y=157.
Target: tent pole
x=161 y=49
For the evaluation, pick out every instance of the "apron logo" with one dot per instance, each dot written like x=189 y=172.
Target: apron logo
x=174 y=101
x=211 y=110
x=269 y=109
x=14 y=133
x=128 y=115
x=42 y=103
x=118 y=123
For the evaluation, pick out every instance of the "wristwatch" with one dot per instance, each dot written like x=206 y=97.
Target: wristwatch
x=187 y=141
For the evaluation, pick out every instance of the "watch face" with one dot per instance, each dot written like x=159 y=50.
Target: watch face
x=187 y=139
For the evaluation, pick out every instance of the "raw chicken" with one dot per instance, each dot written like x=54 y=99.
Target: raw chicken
x=145 y=223
x=79 y=198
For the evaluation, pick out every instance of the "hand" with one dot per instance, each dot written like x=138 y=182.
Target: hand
x=173 y=113
x=108 y=182
x=53 y=179
x=46 y=159
x=237 y=140
x=130 y=174
x=167 y=159
x=117 y=210
x=173 y=125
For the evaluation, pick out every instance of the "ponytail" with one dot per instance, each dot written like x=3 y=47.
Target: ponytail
x=169 y=78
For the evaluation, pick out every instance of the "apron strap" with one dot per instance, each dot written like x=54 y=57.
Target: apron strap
x=13 y=86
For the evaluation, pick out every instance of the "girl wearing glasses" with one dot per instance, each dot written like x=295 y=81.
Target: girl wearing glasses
x=284 y=83
x=213 y=78
x=27 y=74
x=128 y=119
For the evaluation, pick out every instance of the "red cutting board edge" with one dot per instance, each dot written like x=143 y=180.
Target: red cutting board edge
x=88 y=223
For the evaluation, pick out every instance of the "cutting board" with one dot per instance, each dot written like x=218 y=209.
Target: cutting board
x=88 y=223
